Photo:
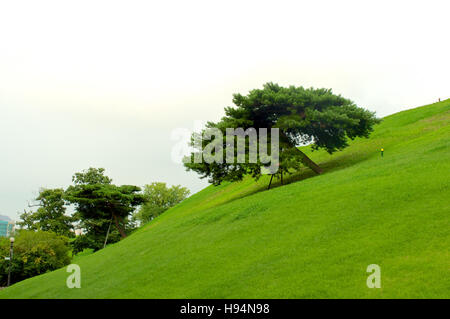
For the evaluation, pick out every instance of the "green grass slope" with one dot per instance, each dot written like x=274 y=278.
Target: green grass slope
x=313 y=238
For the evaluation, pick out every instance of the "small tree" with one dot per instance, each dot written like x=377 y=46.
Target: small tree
x=51 y=214
x=159 y=198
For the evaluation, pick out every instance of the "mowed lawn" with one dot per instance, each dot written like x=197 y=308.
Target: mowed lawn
x=312 y=238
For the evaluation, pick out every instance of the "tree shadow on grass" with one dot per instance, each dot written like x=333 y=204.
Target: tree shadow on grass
x=336 y=163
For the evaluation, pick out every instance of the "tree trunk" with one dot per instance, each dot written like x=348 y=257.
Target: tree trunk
x=107 y=233
x=305 y=159
x=308 y=162
x=270 y=183
x=121 y=231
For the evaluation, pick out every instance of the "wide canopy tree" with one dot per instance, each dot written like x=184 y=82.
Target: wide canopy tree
x=302 y=115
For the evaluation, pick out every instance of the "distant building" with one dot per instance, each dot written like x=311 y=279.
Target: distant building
x=6 y=226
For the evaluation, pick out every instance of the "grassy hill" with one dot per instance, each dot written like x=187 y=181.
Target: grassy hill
x=313 y=238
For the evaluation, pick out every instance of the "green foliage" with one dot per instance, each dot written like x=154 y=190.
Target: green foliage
x=35 y=253
x=91 y=176
x=98 y=203
x=93 y=240
x=302 y=115
x=159 y=198
x=308 y=239
x=51 y=214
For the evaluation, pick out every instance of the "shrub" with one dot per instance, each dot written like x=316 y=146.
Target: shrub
x=35 y=253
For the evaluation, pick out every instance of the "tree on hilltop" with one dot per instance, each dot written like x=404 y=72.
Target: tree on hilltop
x=302 y=116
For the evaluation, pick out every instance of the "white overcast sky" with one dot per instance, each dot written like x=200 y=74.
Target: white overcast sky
x=104 y=83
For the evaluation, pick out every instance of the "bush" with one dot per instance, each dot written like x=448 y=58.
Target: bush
x=35 y=253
